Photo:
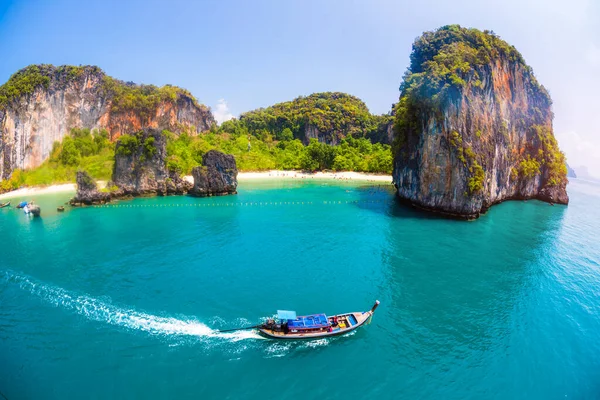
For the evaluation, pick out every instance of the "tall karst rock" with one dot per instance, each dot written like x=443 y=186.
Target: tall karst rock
x=41 y=103
x=473 y=127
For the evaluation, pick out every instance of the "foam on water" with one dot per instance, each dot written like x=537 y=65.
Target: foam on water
x=97 y=310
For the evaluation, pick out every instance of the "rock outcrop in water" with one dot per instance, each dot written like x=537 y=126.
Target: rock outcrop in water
x=216 y=176
x=141 y=166
x=87 y=191
x=40 y=104
x=473 y=127
x=34 y=210
x=140 y=169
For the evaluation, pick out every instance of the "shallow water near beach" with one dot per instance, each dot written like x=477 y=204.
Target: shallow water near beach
x=124 y=301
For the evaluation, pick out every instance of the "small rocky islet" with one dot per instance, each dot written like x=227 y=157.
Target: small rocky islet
x=472 y=128
x=140 y=169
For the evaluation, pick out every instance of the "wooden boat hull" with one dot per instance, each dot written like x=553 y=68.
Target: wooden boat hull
x=5 y=205
x=361 y=318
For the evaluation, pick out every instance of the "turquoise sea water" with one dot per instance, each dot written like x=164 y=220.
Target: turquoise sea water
x=123 y=302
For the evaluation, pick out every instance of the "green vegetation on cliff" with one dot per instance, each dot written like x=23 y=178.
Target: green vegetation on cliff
x=444 y=60
x=454 y=63
x=441 y=64
x=129 y=144
x=81 y=149
x=25 y=81
x=22 y=83
x=143 y=99
x=332 y=113
x=94 y=153
x=550 y=155
x=125 y=96
x=277 y=137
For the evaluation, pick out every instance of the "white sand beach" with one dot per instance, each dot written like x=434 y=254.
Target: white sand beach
x=27 y=192
x=354 y=176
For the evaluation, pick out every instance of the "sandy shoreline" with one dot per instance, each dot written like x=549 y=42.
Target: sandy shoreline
x=242 y=176
x=35 y=190
x=353 y=176
x=27 y=192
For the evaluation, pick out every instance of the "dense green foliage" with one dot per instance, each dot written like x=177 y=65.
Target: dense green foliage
x=529 y=167
x=130 y=144
x=143 y=99
x=81 y=149
x=253 y=154
x=22 y=83
x=127 y=145
x=549 y=155
x=336 y=114
x=476 y=178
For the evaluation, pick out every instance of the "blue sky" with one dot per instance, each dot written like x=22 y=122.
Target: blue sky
x=239 y=55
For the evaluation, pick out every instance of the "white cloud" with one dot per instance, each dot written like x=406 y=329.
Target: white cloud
x=593 y=55
x=221 y=112
x=581 y=151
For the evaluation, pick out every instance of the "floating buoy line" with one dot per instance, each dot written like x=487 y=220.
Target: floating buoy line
x=247 y=204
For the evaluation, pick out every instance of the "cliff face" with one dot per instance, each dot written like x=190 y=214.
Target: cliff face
x=87 y=191
x=473 y=127
x=216 y=176
x=141 y=166
x=40 y=104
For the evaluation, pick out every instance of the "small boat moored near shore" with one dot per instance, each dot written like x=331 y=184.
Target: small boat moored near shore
x=5 y=204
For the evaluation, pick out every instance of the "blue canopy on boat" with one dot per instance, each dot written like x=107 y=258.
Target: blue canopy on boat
x=283 y=314
x=309 y=322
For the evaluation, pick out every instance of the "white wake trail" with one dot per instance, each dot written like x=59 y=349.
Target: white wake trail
x=97 y=310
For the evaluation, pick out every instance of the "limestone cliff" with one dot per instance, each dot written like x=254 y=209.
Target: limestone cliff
x=40 y=104
x=216 y=176
x=473 y=127
x=140 y=167
x=87 y=191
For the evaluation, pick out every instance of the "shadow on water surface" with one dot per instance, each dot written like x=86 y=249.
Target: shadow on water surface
x=382 y=199
x=454 y=287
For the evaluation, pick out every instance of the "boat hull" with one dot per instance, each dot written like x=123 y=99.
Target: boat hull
x=360 y=317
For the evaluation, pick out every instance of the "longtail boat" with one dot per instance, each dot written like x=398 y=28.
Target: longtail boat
x=289 y=326
x=5 y=204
